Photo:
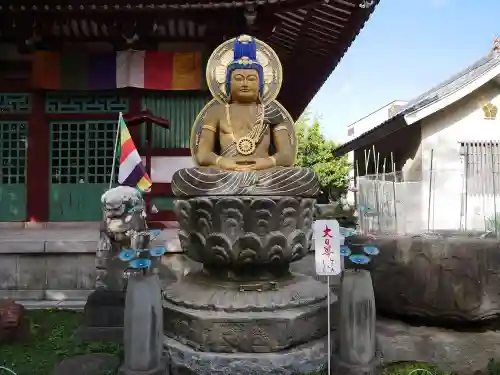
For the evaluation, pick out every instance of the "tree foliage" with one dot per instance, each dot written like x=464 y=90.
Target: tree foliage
x=314 y=151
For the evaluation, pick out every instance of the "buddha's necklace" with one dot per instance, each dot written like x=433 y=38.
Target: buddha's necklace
x=246 y=145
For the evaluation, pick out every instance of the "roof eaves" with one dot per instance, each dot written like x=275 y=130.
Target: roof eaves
x=456 y=82
x=398 y=120
x=427 y=98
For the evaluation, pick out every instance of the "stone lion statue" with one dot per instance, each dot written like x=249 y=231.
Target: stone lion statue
x=124 y=215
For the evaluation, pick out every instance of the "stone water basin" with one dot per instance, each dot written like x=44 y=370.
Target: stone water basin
x=439 y=278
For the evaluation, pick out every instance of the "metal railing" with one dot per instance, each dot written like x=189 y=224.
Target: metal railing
x=439 y=200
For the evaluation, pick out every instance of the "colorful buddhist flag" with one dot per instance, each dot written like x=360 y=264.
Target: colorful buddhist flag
x=153 y=70
x=160 y=70
x=73 y=71
x=187 y=69
x=131 y=171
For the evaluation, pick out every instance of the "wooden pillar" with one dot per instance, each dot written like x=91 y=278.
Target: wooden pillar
x=149 y=146
x=38 y=162
x=134 y=96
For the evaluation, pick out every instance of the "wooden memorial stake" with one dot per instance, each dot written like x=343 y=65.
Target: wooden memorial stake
x=357 y=352
x=327 y=260
x=143 y=328
x=357 y=337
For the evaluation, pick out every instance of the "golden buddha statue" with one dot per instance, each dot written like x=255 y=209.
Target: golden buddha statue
x=243 y=142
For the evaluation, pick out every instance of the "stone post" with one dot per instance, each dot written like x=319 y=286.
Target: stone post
x=143 y=328
x=357 y=339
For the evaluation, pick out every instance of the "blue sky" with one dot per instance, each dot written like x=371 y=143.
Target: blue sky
x=406 y=48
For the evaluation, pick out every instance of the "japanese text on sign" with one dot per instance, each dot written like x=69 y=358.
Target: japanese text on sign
x=327 y=241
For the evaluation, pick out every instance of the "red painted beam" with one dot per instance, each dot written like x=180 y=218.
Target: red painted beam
x=82 y=116
x=14 y=85
x=167 y=151
x=162 y=216
x=38 y=162
x=13 y=116
x=161 y=189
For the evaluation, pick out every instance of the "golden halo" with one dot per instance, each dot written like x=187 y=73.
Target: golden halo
x=223 y=55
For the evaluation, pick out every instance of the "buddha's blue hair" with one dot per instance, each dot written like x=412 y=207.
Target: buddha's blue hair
x=245 y=57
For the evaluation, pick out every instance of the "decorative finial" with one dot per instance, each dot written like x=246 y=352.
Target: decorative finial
x=366 y=4
x=245 y=39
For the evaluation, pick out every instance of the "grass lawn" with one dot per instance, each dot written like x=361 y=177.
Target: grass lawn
x=406 y=369
x=52 y=340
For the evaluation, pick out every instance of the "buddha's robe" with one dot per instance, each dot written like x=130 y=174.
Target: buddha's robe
x=284 y=181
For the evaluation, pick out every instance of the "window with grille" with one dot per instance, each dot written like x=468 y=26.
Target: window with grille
x=82 y=151
x=481 y=167
x=13 y=152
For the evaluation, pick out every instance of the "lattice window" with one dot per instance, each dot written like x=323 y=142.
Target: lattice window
x=481 y=167
x=101 y=138
x=15 y=103
x=82 y=151
x=67 y=102
x=13 y=135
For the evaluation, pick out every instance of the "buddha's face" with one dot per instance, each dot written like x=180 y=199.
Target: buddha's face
x=244 y=85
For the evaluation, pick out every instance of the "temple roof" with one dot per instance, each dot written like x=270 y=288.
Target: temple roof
x=310 y=36
x=458 y=82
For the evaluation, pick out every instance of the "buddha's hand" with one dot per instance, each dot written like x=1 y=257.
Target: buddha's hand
x=263 y=163
x=228 y=164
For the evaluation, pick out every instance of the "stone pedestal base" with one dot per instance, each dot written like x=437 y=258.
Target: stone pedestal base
x=305 y=359
x=103 y=316
x=264 y=327
x=261 y=317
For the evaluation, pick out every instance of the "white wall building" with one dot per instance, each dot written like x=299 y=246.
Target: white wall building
x=448 y=140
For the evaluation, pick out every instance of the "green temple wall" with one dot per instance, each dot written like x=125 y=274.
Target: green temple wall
x=180 y=108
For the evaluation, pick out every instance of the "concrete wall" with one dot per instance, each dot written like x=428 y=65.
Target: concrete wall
x=46 y=270
x=442 y=132
x=49 y=267
x=163 y=167
x=58 y=263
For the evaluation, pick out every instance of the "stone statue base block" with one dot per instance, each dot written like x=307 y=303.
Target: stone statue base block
x=103 y=316
x=267 y=317
x=305 y=359
x=449 y=350
x=161 y=370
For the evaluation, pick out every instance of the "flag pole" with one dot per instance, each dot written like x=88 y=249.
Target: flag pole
x=113 y=166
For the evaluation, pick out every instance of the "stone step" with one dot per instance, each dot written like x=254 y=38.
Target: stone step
x=77 y=305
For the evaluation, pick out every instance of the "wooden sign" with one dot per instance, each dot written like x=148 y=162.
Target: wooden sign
x=327 y=242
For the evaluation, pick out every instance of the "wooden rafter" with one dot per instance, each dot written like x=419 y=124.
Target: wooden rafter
x=323 y=65
x=310 y=36
x=192 y=27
